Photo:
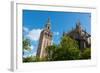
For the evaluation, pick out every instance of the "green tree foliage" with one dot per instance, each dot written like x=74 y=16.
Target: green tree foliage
x=51 y=52
x=26 y=44
x=66 y=50
x=86 y=54
x=67 y=42
x=30 y=59
x=71 y=47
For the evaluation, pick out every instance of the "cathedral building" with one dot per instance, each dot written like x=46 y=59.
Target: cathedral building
x=45 y=40
x=80 y=35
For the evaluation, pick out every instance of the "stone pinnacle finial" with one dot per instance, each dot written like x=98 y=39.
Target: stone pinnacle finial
x=78 y=24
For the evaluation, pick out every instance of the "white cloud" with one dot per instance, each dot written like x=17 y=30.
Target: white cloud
x=56 y=33
x=25 y=29
x=34 y=34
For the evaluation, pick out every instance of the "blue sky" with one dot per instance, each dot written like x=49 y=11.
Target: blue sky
x=34 y=21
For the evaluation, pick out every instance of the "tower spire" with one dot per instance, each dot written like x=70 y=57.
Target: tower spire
x=48 y=24
x=48 y=20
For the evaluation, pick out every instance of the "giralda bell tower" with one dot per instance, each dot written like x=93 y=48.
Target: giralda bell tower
x=45 y=40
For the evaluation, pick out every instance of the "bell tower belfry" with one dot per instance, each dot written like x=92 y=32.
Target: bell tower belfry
x=45 y=40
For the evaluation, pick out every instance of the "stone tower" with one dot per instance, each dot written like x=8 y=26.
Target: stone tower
x=45 y=40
